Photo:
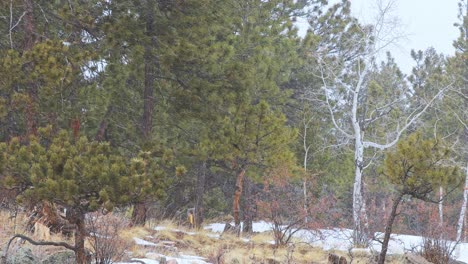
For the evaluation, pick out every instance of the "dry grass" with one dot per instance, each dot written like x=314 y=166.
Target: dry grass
x=10 y=226
x=129 y=233
x=230 y=249
x=227 y=249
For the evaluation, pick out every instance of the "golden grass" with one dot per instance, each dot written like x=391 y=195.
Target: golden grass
x=17 y=225
x=258 y=249
x=129 y=233
x=227 y=249
x=262 y=238
x=169 y=224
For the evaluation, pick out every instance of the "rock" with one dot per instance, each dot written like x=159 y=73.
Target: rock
x=23 y=256
x=172 y=261
x=65 y=257
x=335 y=259
x=415 y=259
x=343 y=260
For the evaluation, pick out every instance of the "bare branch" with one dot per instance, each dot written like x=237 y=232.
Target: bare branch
x=462 y=122
x=408 y=123
x=36 y=243
x=330 y=109
x=380 y=112
x=11 y=22
x=462 y=95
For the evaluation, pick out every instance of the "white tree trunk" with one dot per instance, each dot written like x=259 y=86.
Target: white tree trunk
x=463 y=208
x=441 y=205
x=305 y=189
x=357 y=134
x=306 y=158
x=359 y=208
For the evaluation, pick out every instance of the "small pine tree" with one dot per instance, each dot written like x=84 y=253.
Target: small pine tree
x=416 y=169
x=81 y=175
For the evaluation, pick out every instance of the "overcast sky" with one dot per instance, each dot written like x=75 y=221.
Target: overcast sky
x=426 y=23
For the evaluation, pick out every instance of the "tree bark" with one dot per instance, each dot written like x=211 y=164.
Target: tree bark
x=104 y=125
x=306 y=148
x=31 y=111
x=28 y=25
x=463 y=208
x=201 y=177
x=360 y=236
x=388 y=228
x=151 y=64
x=139 y=214
x=441 y=205
x=237 y=196
x=80 y=236
x=248 y=207
x=359 y=207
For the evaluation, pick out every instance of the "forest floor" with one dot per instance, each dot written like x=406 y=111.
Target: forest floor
x=158 y=241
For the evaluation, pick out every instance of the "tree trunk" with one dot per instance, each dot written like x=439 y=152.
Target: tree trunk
x=388 y=228
x=28 y=24
x=201 y=177
x=248 y=207
x=306 y=158
x=31 y=111
x=441 y=205
x=463 y=208
x=139 y=214
x=104 y=125
x=359 y=207
x=151 y=64
x=80 y=235
x=237 y=196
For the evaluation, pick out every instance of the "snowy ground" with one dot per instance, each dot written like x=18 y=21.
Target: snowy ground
x=339 y=239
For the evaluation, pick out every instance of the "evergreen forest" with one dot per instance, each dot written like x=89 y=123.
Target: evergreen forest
x=288 y=111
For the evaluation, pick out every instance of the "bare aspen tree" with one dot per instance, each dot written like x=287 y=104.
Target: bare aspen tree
x=347 y=80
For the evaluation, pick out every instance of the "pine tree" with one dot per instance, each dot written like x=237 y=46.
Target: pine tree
x=82 y=176
x=416 y=168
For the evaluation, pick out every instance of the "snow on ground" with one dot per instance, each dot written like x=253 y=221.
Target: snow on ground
x=259 y=227
x=159 y=228
x=142 y=242
x=338 y=239
x=182 y=259
x=341 y=239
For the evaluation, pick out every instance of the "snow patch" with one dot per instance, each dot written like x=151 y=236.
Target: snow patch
x=328 y=239
x=142 y=242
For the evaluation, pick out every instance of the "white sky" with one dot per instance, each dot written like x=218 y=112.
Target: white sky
x=426 y=23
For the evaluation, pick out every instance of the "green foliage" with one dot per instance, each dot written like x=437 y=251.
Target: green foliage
x=147 y=177
x=229 y=80
x=215 y=203
x=417 y=166
x=79 y=174
x=255 y=135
